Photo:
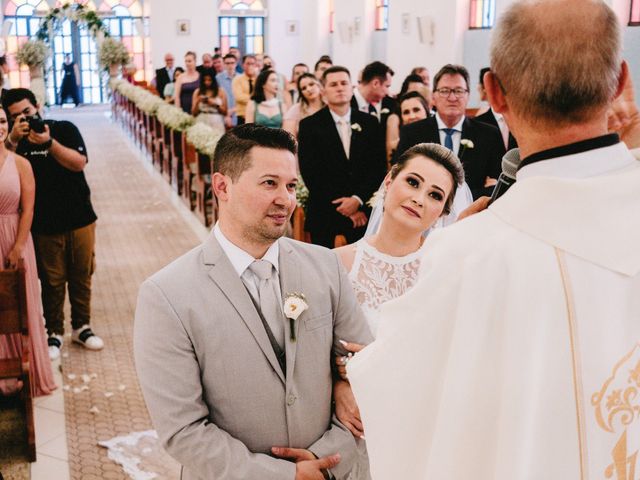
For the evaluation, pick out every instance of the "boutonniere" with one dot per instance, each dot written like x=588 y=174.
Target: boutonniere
x=294 y=304
x=465 y=143
x=356 y=127
x=384 y=111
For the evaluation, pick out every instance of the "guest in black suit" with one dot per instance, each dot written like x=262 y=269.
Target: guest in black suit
x=207 y=63
x=450 y=126
x=372 y=94
x=339 y=184
x=164 y=75
x=495 y=119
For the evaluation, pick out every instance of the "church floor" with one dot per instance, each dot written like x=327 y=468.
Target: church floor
x=142 y=226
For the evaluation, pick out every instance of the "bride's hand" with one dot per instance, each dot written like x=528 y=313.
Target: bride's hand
x=347 y=409
x=341 y=361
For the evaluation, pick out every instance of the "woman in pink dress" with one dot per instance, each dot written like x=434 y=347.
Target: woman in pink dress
x=17 y=192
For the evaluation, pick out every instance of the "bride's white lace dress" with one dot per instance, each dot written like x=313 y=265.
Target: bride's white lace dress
x=378 y=278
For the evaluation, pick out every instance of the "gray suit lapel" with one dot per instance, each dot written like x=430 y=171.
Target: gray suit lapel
x=222 y=273
x=289 y=283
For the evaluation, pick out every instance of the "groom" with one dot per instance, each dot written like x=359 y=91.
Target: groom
x=235 y=389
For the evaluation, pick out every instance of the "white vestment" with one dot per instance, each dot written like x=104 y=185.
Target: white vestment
x=517 y=353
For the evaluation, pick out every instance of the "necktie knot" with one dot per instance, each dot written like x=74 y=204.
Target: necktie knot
x=262 y=269
x=372 y=109
x=449 y=131
x=448 y=139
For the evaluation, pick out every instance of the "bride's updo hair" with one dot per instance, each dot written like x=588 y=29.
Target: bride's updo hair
x=442 y=156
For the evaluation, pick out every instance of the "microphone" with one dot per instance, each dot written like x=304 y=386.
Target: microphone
x=510 y=162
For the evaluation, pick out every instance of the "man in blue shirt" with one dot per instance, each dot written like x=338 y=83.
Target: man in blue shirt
x=224 y=79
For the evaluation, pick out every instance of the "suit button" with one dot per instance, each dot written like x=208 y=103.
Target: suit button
x=291 y=399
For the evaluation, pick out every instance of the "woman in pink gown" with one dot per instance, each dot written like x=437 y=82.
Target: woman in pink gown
x=17 y=191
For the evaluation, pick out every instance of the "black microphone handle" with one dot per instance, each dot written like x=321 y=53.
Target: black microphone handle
x=504 y=183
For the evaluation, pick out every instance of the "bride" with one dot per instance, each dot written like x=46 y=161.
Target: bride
x=417 y=192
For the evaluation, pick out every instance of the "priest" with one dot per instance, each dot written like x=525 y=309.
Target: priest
x=517 y=354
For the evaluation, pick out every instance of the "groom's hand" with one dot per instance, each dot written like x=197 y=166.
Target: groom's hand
x=308 y=467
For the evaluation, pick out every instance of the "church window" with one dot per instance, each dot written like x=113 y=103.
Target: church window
x=482 y=13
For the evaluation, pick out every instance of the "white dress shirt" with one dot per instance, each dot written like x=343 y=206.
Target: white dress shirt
x=345 y=118
x=502 y=125
x=457 y=135
x=241 y=260
x=363 y=105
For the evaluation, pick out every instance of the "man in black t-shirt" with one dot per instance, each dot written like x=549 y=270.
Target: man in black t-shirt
x=63 y=225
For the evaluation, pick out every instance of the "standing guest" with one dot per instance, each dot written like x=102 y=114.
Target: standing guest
x=423 y=73
x=210 y=102
x=413 y=107
x=235 y=390
x=170 y=88
x=236 y=53
x=414 y=83
x=342 y=162
x=242 y=86
x=266 y=108
x=17 y=193
x=270 y=64
x=259 y=61
x=4 y=67
x=70 y=81
x=165 y=75
x=217 y=63
x=207 y=62
x=310 y=95
x=525 y=345
x=63 y=222
x=321 y=65
x=482 y=93
x=481 y=152
x=187 y=83
x=372 y=93
x=225 y=80
x=495 y=119
x=292 y=85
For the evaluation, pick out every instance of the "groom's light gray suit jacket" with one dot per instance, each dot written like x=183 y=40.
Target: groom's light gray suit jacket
x=213 y=386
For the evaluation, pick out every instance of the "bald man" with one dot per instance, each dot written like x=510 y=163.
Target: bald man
x=516 y=356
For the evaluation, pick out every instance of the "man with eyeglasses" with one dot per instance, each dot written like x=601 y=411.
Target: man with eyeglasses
x=481 y=153
x=225 y=80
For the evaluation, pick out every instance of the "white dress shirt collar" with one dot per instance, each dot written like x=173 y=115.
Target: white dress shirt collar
x=240 y=260
x=363 y=105
x=337 y=118
x=457 y=127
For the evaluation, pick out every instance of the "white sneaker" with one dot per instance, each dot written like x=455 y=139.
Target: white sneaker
x=55 y=344
x=85 y=337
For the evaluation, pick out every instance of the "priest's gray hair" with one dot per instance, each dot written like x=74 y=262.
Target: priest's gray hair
x=557 y=61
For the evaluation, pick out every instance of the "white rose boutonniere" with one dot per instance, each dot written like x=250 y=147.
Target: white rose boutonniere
x=294 y=304
x=356 y=127
x=465 y=143
x=384 y=111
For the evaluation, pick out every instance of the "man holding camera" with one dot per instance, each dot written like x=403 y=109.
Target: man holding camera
x=64 y=221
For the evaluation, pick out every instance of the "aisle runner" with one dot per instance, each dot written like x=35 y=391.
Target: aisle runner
x=138 y=232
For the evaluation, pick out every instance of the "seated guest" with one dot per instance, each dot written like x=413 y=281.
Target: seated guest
x=164 y=75
x=477 y=144
x=321 y=65
x=266 y=108
x=187 y=83
x=170 y=88
x=413 y=107
x=372 y=94
x=495 y=119
x=310 y=95
x=210 y=102
x=207 y=62
x=341 y=154
x=243 y=84
x=414 y=83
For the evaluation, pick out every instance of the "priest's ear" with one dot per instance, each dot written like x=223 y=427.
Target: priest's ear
x=495 y=92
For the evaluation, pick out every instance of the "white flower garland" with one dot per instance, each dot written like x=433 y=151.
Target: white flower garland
x=174 y=117
x=203 y=138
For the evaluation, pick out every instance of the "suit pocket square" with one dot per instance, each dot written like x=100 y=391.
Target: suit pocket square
x=319 y=321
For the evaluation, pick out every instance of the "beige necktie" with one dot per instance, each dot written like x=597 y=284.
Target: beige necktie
x=345 y=135
x=269 y=300
x=504 y=131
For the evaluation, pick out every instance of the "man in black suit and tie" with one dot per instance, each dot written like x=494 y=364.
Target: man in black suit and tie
x=477 y=144
x=494 y=118
x=164 y=75
x=342 y=161
x=372 y=94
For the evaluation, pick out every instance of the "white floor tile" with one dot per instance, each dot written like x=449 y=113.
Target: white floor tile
x=49 y=425
x=56 y=448
x=54 y=402
x=49 y=468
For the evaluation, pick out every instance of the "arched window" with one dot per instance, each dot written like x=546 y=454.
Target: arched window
x=482 y=13
x=241 y=25
x=634 y=16
x=382 y=14
x=127 y=20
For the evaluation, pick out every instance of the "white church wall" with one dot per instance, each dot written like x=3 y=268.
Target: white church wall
x=284 y=33
x=315 y=39
x=354 y=27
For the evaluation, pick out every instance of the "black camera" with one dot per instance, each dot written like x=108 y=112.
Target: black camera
x=36 y=124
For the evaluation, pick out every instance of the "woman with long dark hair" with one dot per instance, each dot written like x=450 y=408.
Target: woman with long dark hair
x=266 y=109
x=210 y=102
